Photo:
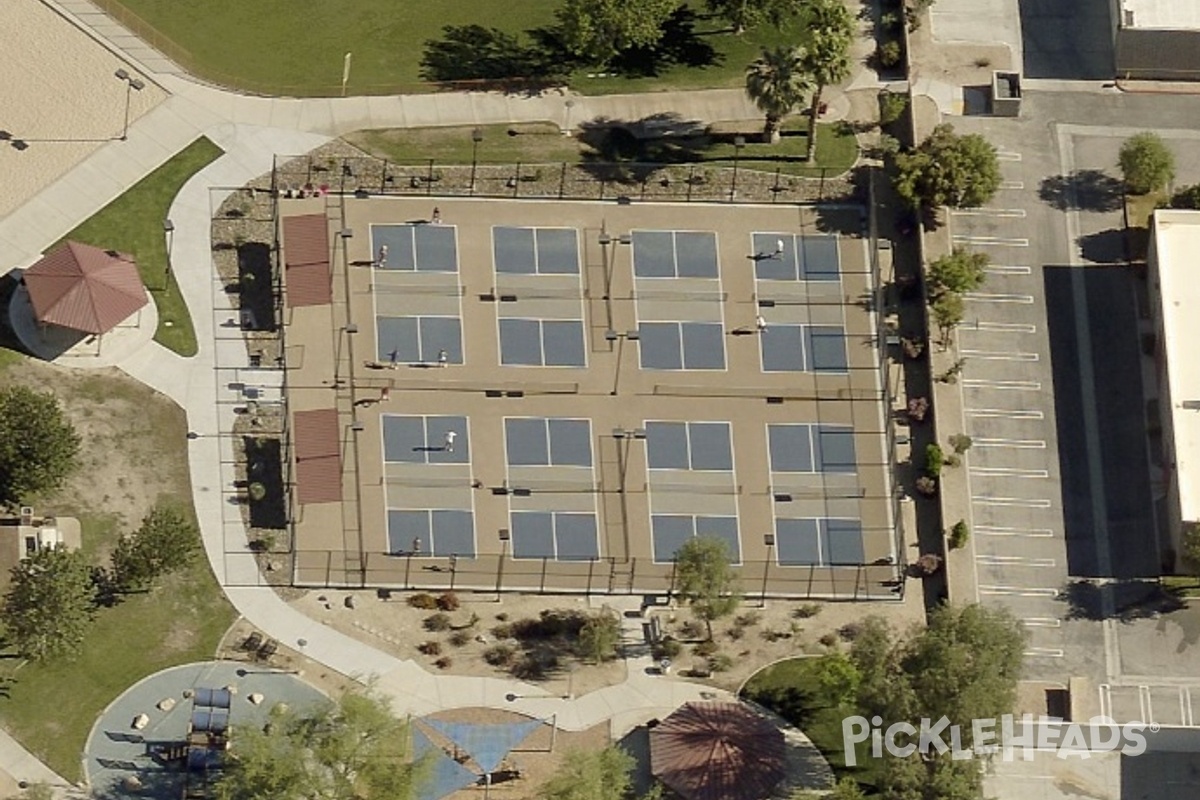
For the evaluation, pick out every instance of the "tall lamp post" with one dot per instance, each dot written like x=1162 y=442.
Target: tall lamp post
x=504 y=537
x=739 y=142
x=769 y=541
x=623 y=437
x=611 y=336
x=132 y=85
x=169 y=230
x=476 y=138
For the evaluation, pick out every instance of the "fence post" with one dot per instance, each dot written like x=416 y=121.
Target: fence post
x=429 y=179
x=516 y=187
x=821 y=188
x=691 y=181
x=562 y=181
x=383 y=178
x=775 y=189
x=308 y=180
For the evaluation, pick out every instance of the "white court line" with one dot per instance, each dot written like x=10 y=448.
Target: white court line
x=1004 y=413
x=1021 y=561
x=993 y=355
x=1018 y=591
x=1014 y=213
x=1001 y=327
x=997 y=530
x=988 y=297
x=1042 y=622
x=1044 y=652
x=1012 y=184
x=1022 y=502
x=1008 y=269
x=1007 y=155
x=997 y=241
x=1016 y=386
x=1018 y=444
x=1010 y=472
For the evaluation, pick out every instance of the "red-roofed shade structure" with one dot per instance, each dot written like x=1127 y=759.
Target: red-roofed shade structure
x=84 y=288
x=718 y=751
x=318 y=456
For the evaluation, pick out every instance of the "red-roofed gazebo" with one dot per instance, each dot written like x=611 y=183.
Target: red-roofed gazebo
x=84 y=288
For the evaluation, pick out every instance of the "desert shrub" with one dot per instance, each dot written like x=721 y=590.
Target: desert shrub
x=448 y=601
x=918 y=407
x=927 y=564
x=437 y=622
x=961 y=443
x=502 y=617
x=667 y=648
x=747 y=619
x=888 y=54
x=934 y=458
x=705 y=649
x=772 y=635
x=807 y=610
x=503 y=631
x=959 y=534
x=460 y=638
x=850 y=631
x=533 y=668
x=735 y=633
x=423 y=600
x=500 y=655
x=721 y=662
x=692 y=629
x=926 y=485
x=891 y=106
x=430 y=648
x=444 y=663
x=550 y=624
x=829 y=639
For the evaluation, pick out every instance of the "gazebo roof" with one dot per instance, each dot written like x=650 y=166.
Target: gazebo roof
x=718 y=751
x=85 y=288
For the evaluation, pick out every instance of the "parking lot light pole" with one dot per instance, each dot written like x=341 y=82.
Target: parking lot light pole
x=611 y=336
x=476 y=138
x=504 y=537
x=739 y=142
x=132 y=85
x=169 y=230
x=769 y=541
x=623 y=437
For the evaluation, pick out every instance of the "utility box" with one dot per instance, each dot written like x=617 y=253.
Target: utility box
x=1006 y=94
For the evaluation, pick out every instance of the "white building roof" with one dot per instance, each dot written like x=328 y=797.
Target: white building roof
x=1161 y=14
x=1177 y=256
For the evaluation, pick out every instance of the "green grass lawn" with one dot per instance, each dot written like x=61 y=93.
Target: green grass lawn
x=133 y=223
x=544 y=143
x=290 y=47
x=788 y=689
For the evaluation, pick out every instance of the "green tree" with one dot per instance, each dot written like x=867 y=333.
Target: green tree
x=837 y=679
x=166 y=542
x=37 y=791
x=827 y=57
x=599 y=637
x=705 y=578
x=48 y=606
x=352 y=749
x=745 y=14
x=777 y=82
x=1187 y=197
x=948 y=170
x=1146 y=162
x=591 y=775
x=947 y=311
x=961 y=271
x=883 y=688
x=38 y=446
x=599 y=30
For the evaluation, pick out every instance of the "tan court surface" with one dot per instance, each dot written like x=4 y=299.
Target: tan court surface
x=555 y=395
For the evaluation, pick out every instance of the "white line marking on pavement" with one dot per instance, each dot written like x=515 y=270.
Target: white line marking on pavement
x=998 y=530
x=1022 y=561
x=1023 y=502
x=1007 y=155
x=1010 y=472
x=992 y=355
x=1000 y=327
x=1005 y=413
x=986 y=297
x=1145 y=704
x=1010 y=269
x=1018 y=591
x=1044 y=652
x=1105 y=700
x=1012 y=184
x=1185 y=706
x=1018 y=386
x=995 y=241
x=1042 y=622
x=1018 y=444
x=982 y=211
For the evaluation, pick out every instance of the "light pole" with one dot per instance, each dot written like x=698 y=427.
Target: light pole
x=567 y=124
x=132 y=84
x=169 y=230
x=611 y=336
x=610 y=264
x=504 y=537
x=349 y=330
x=739 y=142
x=623 y=437
x=769 y=541
x=476 y=138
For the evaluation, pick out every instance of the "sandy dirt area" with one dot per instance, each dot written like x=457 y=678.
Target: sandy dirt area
x=59 y=95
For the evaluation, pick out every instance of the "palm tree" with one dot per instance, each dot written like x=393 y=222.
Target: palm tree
x=827 y=58
x=777 y=82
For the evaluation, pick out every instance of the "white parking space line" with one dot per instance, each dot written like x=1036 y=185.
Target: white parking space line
x=1185 y=706
x=1146 y=706
x=982 y=211
x=1000 y=530
x=1000 y=327
x=1042 y=622
x=1018 y=444
x=1012 y=184
x=1010 y=472
x=1044 y=652
x=1018 y=591
x=1023 y=561
x=1022 y=502
x=989 y=413
x=987 y=297
x=1015 y=386
x=1008 y=269
x=995 y=241
x=993 y=355
x=1007 y=155
x=1105 y=700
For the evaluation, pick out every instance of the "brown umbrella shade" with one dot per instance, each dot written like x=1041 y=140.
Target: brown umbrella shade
x=84 y=288
x=718 y=751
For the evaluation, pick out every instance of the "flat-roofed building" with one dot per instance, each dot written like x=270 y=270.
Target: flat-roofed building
x=1157 y=39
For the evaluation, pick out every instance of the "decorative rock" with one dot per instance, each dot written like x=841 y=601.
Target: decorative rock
x=131 y=783
x=482 y=638
x=140 y=722
x=231 y=688
x=187 y=693
x=256 y=698
x=166 y=704
x=351 y=602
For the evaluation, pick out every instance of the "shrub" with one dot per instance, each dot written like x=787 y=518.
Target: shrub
x=721 y=662
x=443 y=663
x=667 y=648
x=889 y=21
x=504 y=631
x=961 y=443
x=1187 y=197
x=926 y=485
x=550 y=624
x=829 y=639
x=891 y=106
x=1146 y=162
x=888 y=54
x=807 y=610
x=502 y=617
x=772 y=635
x=934 y=459
x=747 y=619
x=500 y=655
x=952 y=460
x=928 y=564
x=448 y=602
x=437 y=622
x=430 y=648
x=528 y=668
x=257 y=492
x=692 y=629
x=959 y=534
x=423 y=600
x=912 y=347
x=705 y=649
x=735 y=633
x=460 y=638
x=918 y=407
